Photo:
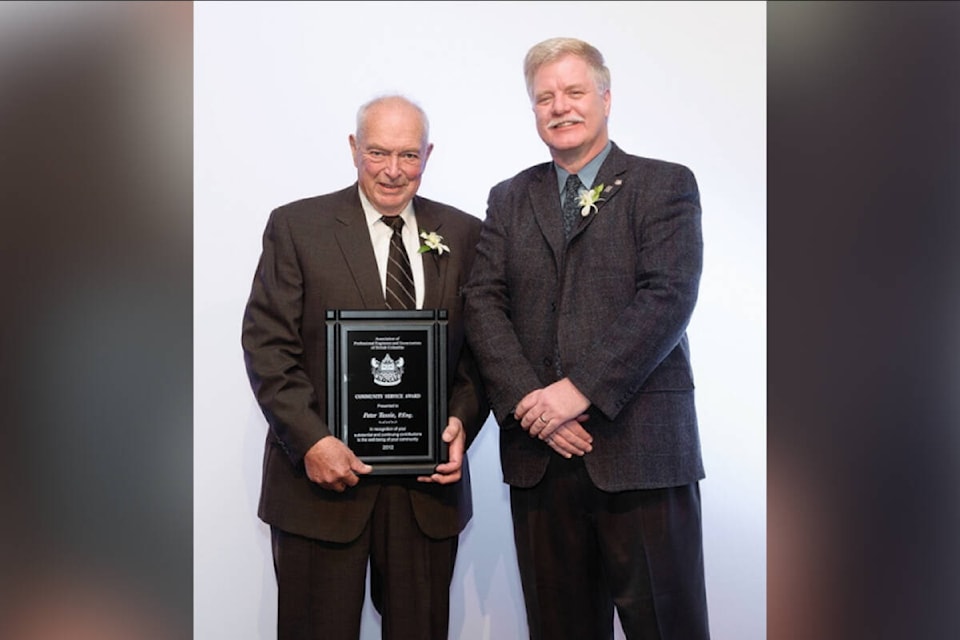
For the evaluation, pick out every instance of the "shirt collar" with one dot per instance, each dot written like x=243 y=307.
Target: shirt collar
x=589 y=172
x=373 y=216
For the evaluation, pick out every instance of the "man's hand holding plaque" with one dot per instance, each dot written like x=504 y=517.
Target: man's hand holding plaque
x=456 y=437
x=332 y=465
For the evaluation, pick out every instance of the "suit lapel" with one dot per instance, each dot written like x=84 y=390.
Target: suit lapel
x=611 y=176
x=354 y=241
x=434 y=265
x=545 y=200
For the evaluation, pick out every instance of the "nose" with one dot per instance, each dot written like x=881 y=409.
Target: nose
x=560 y=104
x=393 y=166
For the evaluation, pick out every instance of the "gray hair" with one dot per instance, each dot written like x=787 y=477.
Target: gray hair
x=365 y=109
x=556 y=48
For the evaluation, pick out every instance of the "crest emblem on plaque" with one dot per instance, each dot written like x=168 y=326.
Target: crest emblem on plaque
x=387 y=372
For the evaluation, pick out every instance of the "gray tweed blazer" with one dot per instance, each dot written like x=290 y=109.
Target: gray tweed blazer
x=608 y=309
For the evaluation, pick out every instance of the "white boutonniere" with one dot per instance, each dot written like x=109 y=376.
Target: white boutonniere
x=432 y=241
x=589 y=199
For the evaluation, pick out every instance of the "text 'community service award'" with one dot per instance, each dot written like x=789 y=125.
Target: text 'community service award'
x=386 y=387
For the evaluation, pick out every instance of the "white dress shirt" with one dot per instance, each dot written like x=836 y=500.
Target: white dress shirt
x=380 y=235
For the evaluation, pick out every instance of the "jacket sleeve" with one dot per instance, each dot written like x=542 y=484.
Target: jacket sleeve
x=669 y=250
x=468 y=399
x=508 y=375
x=273 y=346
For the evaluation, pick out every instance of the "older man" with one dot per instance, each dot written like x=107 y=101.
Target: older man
x=327 y=516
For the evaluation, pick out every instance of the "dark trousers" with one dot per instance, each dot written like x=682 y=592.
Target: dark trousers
x=321 y=584
x=583 y=551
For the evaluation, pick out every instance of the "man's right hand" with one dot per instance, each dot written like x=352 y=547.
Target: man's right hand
x=333 y=466
x=571 y=439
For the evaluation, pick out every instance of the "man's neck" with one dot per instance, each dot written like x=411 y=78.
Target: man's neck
x=572 y=160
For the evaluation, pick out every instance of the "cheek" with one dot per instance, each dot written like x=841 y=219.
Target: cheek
x=413 y=175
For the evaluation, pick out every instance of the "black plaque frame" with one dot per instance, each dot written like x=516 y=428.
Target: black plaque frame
x=389 y=410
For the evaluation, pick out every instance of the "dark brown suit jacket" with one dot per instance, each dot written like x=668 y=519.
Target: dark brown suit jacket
x=317 y=255
x=612 y=304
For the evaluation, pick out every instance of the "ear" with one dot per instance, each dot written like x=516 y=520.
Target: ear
x=426 y=155
x=354 y=151
x=606 y=103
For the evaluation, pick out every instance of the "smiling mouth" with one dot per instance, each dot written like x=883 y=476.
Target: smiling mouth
x=563 y=124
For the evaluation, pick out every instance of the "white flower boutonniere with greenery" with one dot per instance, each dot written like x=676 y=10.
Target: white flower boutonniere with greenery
x=589 y=200
x=432 y=241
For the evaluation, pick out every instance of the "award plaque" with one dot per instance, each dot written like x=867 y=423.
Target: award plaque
x=387 y=387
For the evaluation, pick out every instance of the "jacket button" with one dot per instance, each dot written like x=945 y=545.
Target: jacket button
x=553 y=306
x=547 y=361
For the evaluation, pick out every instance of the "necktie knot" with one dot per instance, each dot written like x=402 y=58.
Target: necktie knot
x=573 y=185
x=394 y=222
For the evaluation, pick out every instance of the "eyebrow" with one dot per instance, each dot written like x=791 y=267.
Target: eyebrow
x=577 y=86
x=377 y=147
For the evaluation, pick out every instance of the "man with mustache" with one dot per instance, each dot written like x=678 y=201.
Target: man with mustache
x=586 y=276
x=328 y=519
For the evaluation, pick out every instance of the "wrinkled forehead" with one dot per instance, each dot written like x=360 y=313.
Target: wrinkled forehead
x=392 y=126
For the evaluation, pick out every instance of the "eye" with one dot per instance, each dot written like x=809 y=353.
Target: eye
x=410 y=156
x=376 y=153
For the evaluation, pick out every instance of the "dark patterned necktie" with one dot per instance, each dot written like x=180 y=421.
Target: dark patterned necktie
x=400 y=291
x=571 y=203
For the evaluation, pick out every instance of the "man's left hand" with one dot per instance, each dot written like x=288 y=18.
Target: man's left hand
x=449 y=472
x=542 y=411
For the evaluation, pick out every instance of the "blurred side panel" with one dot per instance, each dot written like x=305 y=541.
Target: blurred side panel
x=864 y=310
x=96 y=320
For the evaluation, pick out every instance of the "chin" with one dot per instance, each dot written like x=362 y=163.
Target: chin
x=565 y=139
x=564 y=145
x=392 y=197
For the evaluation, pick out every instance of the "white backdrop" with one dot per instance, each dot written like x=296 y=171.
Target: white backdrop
x=277 y=86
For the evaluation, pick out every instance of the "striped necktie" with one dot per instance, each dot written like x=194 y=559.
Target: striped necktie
x=400 y=290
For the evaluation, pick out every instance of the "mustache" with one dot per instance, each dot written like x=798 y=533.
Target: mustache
x=553 y=124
